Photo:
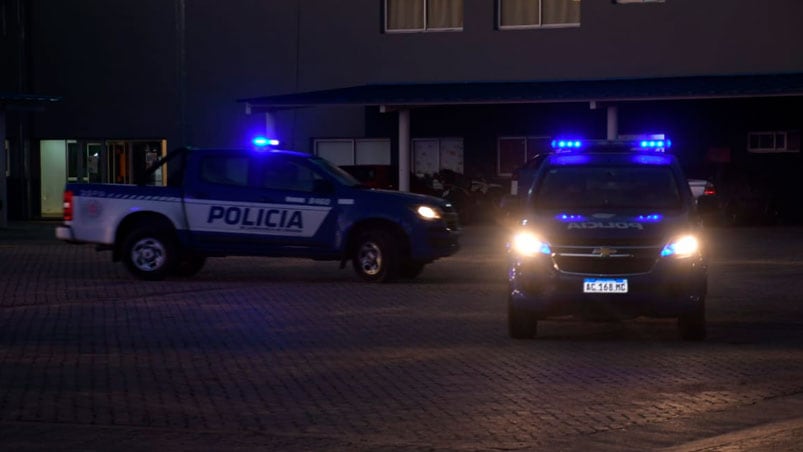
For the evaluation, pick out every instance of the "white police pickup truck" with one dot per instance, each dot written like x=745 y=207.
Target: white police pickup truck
x=264 y=202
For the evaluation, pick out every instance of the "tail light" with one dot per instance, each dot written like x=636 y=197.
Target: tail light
x=67 y=205
x=709 y=189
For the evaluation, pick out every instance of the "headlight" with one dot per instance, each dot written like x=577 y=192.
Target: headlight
x=528 y=244
x=684 y=246
x=428 y=213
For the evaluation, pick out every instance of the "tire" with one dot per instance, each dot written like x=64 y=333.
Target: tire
x=691 y=326
x=149 y=254
x=189 y=266
x=376 y=256
x=411 y=269
x=520 y=324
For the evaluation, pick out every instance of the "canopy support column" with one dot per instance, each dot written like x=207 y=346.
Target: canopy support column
x=404 y=150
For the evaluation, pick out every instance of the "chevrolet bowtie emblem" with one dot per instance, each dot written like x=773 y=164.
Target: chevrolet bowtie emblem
x=604 y=251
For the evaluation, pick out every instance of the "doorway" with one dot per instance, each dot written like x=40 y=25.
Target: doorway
x=93 y=161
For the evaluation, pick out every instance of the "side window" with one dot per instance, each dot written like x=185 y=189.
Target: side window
x=423 y=15
x=225 y=170
x=516 y=14
x=283 y=174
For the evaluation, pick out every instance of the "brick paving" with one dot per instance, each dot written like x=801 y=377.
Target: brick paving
x=287 y=354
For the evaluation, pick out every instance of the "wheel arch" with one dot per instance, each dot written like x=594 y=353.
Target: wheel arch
x=394 y=228
x=132 y=221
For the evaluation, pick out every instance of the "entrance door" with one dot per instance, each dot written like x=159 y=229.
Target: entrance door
x=53 y=173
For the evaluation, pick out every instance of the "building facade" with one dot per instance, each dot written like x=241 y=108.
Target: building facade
x=138 y=78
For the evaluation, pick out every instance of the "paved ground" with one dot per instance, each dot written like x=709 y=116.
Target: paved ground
x=285 y=354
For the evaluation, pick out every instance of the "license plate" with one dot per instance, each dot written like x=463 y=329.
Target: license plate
x=596 y=285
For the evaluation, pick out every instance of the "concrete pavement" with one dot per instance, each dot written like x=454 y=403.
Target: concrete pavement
x=272 y=354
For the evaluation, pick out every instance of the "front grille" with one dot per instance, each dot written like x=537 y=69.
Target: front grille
x=607 y=241
x=606 y=260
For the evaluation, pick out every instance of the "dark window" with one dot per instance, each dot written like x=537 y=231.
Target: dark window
x=225 y=170
x=285 y=174
x=576 y=187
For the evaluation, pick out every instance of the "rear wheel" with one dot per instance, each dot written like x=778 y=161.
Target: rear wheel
x=149 y=254
x=521 y=324
x=691 y=326
x=376 y=256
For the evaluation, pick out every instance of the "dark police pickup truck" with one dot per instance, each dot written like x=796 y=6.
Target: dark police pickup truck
x=263 y=202
x=610 y=230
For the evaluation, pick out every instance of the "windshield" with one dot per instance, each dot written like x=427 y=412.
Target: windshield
x=338 y=173
x=577 y=187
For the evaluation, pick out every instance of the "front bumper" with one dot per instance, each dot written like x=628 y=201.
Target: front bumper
x=673 y=287
x=439 y=242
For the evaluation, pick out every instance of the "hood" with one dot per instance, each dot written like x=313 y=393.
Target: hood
x=375 y=194
x=599 y=226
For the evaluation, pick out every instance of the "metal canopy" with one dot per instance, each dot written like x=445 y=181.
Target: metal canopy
x=404 y=96
x=607 y=90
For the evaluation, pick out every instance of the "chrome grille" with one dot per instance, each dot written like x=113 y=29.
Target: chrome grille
x=605 y=259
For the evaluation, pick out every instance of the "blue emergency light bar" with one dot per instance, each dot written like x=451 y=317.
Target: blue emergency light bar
x=569 y=217
x=657 y=145
x=652 y=143
x=566 y=144
x=262 y=142
x=652 y=218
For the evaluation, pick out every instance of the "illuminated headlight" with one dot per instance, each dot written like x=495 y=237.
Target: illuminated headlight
x=684 y=246
x=528 y=244
x=428 y=213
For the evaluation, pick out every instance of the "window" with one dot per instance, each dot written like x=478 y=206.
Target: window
x=773 y=141
x=431 y=155
x=225 y=170
x=423 y=15
x=579 y=187
x=283 y=174
x=512 y=152
x=354 y=151
x=516 y=14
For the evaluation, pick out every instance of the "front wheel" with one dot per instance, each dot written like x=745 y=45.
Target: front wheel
x=376 y=257
x=149 y=254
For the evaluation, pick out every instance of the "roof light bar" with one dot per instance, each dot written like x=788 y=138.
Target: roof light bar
x=650 y=143
x=262 y=142
x=653 y=145
x=566 y=145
